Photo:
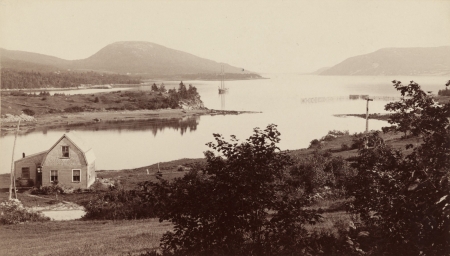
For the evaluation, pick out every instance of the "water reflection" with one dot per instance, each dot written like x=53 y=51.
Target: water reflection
x=154 y=125
x=222 y=101
x=182 y=125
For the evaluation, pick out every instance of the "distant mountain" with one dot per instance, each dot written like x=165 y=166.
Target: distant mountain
x=133 y=58
x=319 y=71
x=396 y=61
x=27 y=61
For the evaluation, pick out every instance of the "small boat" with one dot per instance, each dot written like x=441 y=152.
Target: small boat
x=222 y=88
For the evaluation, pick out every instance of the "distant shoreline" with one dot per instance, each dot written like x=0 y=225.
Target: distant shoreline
x=117 y=86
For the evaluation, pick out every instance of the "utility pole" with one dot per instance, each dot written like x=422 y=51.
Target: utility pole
x=12 y=168
x=367 y=114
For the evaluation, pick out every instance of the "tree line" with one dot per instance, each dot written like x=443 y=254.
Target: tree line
x=14 y=79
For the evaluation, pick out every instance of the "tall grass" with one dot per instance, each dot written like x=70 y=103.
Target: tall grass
x=82 y=237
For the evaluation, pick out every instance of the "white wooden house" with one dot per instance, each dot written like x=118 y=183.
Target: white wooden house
x=69 y=161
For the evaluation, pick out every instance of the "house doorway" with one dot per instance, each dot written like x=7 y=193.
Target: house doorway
x=39 y=176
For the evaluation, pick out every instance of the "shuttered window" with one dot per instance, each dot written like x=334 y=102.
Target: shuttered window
x=76 y=175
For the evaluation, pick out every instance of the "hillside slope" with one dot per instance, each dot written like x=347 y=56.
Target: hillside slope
x=396 y=61
x=149 y=58
x=134 y=58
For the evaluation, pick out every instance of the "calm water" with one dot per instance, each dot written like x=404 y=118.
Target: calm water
x=302 y=107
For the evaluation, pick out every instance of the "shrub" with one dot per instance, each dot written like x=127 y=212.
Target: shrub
x=28 y=112
x=344 y=147
x=319 y=170
x=328 y=137
x=444 y=92
x=119 y=204
x=338 y=133
x=18 y=93
x=98 y=186
x=403 y=196
x=314 y=143
x=238 y=204
x=73 y=109
x=13 y=212
x=48 y=190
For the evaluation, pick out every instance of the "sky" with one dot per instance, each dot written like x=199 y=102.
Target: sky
x=262 y=36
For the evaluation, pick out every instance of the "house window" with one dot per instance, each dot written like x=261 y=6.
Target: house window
x=65 y=151
x=76 y=175
x=25 y=172
x=53 y=175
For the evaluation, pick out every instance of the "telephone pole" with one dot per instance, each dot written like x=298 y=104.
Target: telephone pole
x=12 y=184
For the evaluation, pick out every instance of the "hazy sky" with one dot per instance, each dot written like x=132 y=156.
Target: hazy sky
x=263 y=36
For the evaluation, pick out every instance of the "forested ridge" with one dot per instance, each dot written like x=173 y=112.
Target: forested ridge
x=14 y=79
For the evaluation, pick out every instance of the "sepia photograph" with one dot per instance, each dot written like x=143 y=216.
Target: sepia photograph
x=194 y=127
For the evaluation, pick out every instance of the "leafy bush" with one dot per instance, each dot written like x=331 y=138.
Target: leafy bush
x=119 y=204
x=238 y=204
x=404 y=200
x=319 y=170
x=73 y=109
x=444 y=92
x=328 y=137
x=28 y=112
x=344 y=147
x=338 y=133
x=48 y=190
x=19 y=93
x=314 y=143
x=13 y=212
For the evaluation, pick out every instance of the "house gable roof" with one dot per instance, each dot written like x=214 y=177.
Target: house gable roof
x=79 y=144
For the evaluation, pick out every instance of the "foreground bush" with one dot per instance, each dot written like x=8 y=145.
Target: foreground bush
x=13 y=212
x=238 y=204
x=403 y=200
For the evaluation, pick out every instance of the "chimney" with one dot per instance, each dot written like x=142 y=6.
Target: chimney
x=23 y=155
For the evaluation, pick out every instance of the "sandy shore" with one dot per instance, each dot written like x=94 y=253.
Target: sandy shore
x=49 y=121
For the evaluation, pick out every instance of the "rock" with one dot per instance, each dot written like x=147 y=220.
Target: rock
x=22 y=118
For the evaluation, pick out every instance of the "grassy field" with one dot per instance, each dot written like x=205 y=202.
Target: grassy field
x=82 y=237
x=131 y=100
